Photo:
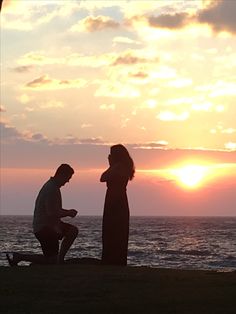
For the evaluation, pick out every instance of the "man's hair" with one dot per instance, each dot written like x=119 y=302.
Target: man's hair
x=64 y=169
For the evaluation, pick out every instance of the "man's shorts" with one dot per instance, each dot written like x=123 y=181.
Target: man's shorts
x=49 y=239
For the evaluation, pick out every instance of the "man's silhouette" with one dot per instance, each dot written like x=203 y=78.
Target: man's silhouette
x=47 y=225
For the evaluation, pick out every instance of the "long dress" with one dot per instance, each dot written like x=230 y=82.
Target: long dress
x=115 y=229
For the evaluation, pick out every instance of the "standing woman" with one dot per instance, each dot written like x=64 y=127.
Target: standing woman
x=115 y=229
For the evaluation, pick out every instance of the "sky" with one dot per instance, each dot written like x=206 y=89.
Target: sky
x=157 y=76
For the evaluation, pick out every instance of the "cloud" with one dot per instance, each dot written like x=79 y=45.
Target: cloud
x=38 y=137
x=23 y=68
x=34 y=150
x=219 y=88
x=93 y=140
x=206 y=106
x=2 y=109
x=127 y=8
x=164 y=73
x=24 y=15
x=107 y=107
x=202 y=107
x=116 y=90
x=171 y=116
x=10 y=135
x=228 y=131
x=181 y=82
x=151 y=145
x=170 y=21
x=139 y=74
x=46 y=83
x=220 y=129
x=70 y=139
x=94 y=24
x=24 y=98
x=125 y=40
x=129 y=58
x=42 y=80
x=149 y=103
x=230 y=146
x=220 y=15
x=74 y=59
x=157 y=156
x=38 y=58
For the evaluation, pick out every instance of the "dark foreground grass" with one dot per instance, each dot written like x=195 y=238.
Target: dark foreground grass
x=101 y=289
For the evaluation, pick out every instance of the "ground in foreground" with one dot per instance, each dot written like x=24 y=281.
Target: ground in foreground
x=102 y=289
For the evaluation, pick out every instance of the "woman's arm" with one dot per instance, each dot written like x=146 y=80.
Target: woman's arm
x=110 y=173
x=106 y=175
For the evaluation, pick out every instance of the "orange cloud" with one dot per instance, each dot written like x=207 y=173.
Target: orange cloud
x=220 y=15
x=46 y=83
x=23 y=68
x=94 y=24
x=128 y=58
x=139 y=75
x=171 y=21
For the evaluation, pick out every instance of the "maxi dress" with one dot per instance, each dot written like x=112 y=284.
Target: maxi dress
x=115 y=229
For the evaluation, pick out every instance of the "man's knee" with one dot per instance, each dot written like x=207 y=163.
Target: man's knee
x=75 y=231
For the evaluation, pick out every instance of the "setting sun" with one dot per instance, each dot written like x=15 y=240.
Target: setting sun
x=190 y=176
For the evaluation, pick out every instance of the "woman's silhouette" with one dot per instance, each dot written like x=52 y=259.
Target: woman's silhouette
x=115 y=229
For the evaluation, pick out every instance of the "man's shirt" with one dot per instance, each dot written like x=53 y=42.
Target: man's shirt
x=47 y=207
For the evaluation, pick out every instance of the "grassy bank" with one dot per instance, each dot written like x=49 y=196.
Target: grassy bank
x=100 y=289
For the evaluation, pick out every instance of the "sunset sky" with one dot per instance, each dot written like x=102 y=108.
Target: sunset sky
x=156 y=76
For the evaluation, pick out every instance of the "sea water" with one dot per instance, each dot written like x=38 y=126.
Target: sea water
x=166 y=242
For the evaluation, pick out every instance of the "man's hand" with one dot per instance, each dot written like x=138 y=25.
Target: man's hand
x=72 y=213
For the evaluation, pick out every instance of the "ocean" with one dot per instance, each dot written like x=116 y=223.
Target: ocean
x=207 y=243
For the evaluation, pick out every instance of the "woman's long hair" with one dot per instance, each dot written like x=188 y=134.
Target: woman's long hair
x=120 y=154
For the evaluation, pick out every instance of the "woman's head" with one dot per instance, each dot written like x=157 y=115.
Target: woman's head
x=119 y=154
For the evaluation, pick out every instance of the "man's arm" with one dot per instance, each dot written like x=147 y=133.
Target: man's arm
x=54 y=207
x=67 y=212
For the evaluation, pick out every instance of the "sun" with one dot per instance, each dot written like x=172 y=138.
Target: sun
x=190 y=176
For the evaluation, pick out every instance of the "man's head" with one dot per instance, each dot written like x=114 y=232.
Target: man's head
x=63 y=174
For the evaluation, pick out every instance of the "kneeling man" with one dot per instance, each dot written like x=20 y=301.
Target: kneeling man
x=47 y=225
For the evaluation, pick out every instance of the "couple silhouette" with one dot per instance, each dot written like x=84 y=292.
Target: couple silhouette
x=56 y=237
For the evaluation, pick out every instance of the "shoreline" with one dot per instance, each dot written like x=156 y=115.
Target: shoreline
x=92 y=261
x=96 y=289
